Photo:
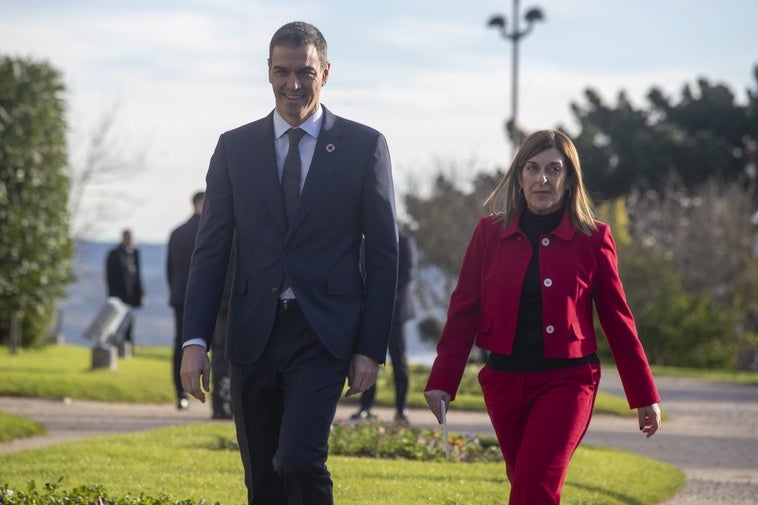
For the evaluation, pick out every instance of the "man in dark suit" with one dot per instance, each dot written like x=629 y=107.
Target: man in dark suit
x=181 y=243
x=124 y=277
x=405 y=309
x=302 y=190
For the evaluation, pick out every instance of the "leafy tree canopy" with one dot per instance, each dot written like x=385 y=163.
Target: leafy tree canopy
x=35 y=246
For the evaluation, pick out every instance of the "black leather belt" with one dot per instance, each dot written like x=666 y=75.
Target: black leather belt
x=287 y=305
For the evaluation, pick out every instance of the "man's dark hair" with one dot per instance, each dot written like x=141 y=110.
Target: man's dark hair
x=299 y=34
x=198 y=197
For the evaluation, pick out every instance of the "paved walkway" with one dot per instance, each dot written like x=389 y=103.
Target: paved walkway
x=712 y=434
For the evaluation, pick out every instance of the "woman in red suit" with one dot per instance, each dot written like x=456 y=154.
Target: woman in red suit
x=530 y=276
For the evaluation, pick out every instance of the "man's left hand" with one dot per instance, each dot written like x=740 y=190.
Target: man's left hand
x=362 y=374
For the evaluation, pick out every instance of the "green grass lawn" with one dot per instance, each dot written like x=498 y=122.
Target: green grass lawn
x=62 y=371
x=197 y=461
x=13 y=426
x=708 y=375
x=65 y=371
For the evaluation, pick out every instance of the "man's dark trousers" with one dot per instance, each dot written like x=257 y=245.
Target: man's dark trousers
x=295 y=384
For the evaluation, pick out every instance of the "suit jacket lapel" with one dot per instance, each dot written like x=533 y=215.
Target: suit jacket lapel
x=325 y=157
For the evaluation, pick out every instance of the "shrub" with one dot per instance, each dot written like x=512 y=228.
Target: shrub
x=376 y=439
x=51 y=494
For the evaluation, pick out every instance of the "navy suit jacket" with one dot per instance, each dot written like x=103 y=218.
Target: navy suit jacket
x=181 y=243
x=347 y=199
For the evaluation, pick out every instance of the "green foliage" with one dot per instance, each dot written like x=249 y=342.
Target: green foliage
x=376 y=439
x=677 y=326
x=35 y=246
x=53 y=494
x=13 y=426
x=707 y=236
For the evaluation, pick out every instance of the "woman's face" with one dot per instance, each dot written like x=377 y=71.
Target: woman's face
x=543 y=179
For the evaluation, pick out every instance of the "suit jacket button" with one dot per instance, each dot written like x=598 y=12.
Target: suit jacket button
x=274 y=289
x=550 y=329
x=548 y=282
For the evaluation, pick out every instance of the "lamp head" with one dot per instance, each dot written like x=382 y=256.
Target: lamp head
x=534 y=14
x=497 y=21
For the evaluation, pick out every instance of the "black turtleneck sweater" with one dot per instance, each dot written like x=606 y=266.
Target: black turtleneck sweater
x=528 y=354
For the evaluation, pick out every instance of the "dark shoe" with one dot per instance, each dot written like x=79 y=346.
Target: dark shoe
x=362 y=414
x=401 y=418
x=221 y=415
x=182 y=404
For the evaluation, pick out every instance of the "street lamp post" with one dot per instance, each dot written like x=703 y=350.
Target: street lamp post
x=500 y=22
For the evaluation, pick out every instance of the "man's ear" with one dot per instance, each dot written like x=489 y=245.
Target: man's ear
x=325 y=73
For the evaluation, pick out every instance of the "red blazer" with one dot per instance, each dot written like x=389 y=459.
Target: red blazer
x=576 y=270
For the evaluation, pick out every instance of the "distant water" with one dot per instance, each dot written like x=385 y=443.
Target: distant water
x=155 y=322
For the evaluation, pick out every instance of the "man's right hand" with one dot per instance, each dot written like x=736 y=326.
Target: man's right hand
x=196 y=367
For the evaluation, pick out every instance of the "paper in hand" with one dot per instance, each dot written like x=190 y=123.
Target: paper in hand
x=444 y=429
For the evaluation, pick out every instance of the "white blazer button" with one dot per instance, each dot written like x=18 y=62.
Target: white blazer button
x=550 y=329
x=545 y=241
x=548 y=282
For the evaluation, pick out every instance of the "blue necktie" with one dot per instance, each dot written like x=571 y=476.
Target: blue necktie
x=291 y=174
x=291 y=184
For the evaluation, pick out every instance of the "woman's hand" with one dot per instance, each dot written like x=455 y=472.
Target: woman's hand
x=434 y=398
x=650 y=419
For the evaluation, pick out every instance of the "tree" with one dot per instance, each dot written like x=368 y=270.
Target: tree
x=708 y=234
x=101 y=160
x=705 y=133
x=678 y=326
x=35 y=245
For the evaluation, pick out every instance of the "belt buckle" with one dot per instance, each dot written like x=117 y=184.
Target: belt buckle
x=284 y=305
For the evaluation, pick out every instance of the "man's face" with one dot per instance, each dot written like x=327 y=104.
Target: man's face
x=127 y=239
x=296 y=76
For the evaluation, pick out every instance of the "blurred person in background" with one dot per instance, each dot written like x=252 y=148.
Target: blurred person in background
x=181 y=243
x=405 y=309
x=124 y=278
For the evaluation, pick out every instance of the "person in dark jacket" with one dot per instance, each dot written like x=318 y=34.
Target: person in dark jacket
x=181 y=243
x=302 y=190
x=124 y=277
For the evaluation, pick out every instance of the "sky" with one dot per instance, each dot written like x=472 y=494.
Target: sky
x=429 y=74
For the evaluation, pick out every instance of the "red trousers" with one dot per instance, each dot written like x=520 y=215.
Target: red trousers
x=539 y=419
